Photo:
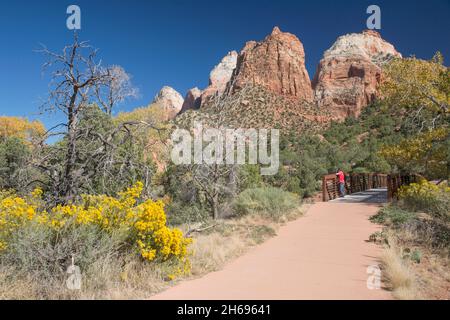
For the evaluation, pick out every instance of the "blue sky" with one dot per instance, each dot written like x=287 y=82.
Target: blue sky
x=178 y=42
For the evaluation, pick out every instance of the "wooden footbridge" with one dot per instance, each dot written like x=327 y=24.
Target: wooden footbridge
x=366 y=187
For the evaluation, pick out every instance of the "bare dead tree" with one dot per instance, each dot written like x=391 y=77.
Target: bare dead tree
x=115 y=88
x=78 y=81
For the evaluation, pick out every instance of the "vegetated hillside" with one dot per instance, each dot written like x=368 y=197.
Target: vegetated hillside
x=257 y=107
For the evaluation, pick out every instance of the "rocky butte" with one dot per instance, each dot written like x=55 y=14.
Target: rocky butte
x=193 y=100
x=170 y=101
x=350 y=71
x=220 y=76
x=276 y=63
x=218 y=79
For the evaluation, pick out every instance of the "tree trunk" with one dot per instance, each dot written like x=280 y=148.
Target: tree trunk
x=69 y=184
x=215 y=206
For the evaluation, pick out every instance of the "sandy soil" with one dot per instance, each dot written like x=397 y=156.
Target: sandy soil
x=323 y=255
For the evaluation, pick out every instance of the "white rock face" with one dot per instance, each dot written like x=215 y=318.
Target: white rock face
x=221 y=73
x=367 y=44
x=170 y=100
x=220 y=76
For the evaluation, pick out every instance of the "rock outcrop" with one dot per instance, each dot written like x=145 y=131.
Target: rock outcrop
x=276 y=63
x=170 y=100
x=220 y=76
x=350 y=71
x=193 y=100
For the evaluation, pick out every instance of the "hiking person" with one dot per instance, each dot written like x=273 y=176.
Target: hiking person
x=341 y=180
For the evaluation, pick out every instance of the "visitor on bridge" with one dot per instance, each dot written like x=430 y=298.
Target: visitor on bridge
x=341 y=179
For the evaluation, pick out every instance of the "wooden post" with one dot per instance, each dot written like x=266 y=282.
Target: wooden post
x=324 y=191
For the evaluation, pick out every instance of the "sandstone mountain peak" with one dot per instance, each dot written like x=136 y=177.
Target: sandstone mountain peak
x=349 y=73
x=170 y=100
x=220 y=76
x=276 y=30
x=192 y=100
x=222 y=72
x=372 y=33
x=368 y=44
x=276 y=63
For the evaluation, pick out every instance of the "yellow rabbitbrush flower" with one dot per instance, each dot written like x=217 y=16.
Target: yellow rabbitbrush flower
x=144 y=223
x=153 y=233
x=427 y=196
x=14 y=212
x=37 y=193
x=424 y=189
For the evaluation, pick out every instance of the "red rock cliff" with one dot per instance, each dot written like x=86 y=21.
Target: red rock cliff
x=277 y=63
x=350 y=71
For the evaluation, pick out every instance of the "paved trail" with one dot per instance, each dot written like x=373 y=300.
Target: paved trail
x=323 y=255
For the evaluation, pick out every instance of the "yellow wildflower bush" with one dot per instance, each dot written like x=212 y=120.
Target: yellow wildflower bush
x=144 y=223
x=16 y=211
x=428 y=197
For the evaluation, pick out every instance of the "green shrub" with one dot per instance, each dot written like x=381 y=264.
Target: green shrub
x=430 y=233
x=271 y=202
x=179 y=213
x=392 y=215
x=416 y=256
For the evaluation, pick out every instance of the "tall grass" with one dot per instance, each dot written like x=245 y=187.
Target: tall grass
x=269 y=202
x=398 y=273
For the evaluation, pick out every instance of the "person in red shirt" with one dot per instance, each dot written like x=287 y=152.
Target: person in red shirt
x=341 y=180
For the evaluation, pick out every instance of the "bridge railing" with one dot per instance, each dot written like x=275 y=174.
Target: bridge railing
x=395 y=181
x=358 y=182
x=354 y=182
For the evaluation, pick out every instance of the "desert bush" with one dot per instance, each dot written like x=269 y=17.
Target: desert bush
x=422 y=231
x=393 y=215
x=98 y=231
x=271 y=202
x=427 y=197
x=36 y=252
x=433 y=234
x=179 y=213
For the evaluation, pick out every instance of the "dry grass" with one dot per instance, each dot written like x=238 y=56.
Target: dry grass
x=134 y=280
x=428 y=278
x=398 y=273
x=18 y=288
x=211 y=252
x=416 y=261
